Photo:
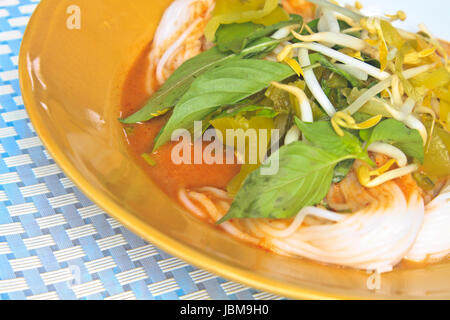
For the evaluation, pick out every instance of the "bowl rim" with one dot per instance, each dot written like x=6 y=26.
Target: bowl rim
x=148 y=233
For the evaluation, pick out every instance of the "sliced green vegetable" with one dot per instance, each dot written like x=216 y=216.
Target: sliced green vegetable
x=240 y=122
x=277 y=15
x=437 y=157
x=337 y=82
x=245 y=121
x=394 y=132
x=280 y=98
x=410 y=90
x=227 y=85
x=423 y=181
x=436 y=78
x=303 y=179
x=237 y=11
x=391 y=34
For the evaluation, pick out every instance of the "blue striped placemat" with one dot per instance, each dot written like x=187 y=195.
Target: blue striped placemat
x=54 y=242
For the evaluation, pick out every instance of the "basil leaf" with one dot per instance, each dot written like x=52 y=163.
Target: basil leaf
x=342 y=170
x=180 y=81
x=318 y=58
x=225 y=85
x=397 y=134
x=322 y=135
x=303 y=179
x=236 y=36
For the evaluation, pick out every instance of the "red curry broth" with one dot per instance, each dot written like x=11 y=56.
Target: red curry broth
x=165 y=173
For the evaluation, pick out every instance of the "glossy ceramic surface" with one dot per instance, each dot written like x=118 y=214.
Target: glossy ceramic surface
x=71 y=81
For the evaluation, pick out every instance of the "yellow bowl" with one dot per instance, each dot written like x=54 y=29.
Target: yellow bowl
x=71 y=82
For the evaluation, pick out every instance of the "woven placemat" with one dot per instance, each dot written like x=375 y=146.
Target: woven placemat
x=54 y=242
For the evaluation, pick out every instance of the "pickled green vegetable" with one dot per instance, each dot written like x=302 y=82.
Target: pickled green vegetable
x=241 y=122
x=264 y=12
x=437 y=155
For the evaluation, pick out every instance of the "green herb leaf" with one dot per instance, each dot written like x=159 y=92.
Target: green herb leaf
x=303 y=179
x=225 y=85
x=236 y=36
x=397 y=134
x=180 y=81
x=342 y=170
x=322 y=135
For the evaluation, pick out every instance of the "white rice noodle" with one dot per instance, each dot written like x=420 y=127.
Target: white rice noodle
x=169 y=52
x=218 y=193
x=375 y=238
x=189 y=205
x=179 y=37
x=215 y=214
x=298 y=221
x=176 y=16
x=433 y=242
